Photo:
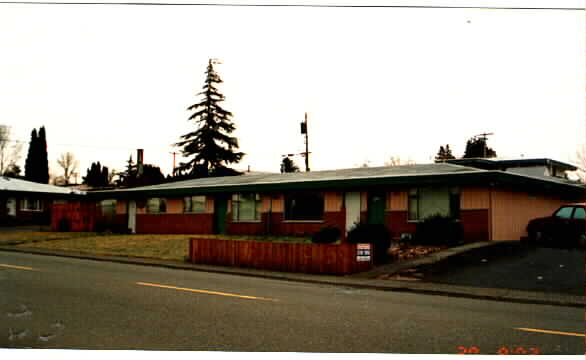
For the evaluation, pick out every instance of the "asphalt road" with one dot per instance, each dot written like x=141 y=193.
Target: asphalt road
x=52 y=302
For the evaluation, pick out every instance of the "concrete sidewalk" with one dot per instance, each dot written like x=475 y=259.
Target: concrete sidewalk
x=363 y=281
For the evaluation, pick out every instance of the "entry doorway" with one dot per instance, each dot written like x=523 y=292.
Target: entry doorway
x=132 y=216
x=376 y=207
x=220 y=214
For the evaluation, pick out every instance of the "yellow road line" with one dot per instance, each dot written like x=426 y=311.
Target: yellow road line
x=18 y=267
x=553 y=332
x=205 y=291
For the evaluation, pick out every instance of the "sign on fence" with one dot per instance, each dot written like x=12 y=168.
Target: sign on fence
x=363 y=252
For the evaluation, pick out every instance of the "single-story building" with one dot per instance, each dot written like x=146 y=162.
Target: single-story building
x=26 y=202
x=492 y=205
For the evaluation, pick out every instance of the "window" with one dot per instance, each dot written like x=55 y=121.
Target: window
x=246 y=207
x=108 y=207
x=194 y=204
x=565 y=212
x=27 y=204
x=304 y=206
x=580 y=213
x=426 y=201
x=156 y=205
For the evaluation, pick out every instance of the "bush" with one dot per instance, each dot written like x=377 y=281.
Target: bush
x=326 y=235
x=64 y=225
x=376 y=234
x=439 y=230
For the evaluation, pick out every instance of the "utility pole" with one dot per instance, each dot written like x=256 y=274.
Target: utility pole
x=173 y=172
x=306 y=153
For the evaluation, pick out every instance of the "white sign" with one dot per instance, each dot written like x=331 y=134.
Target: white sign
x=363 y=252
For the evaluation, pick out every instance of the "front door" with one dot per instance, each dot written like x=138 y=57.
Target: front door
x=376 y=207
x=132 y=215
x=220 y=211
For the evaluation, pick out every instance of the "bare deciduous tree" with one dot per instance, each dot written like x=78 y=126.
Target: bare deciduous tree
x=9 y=151
x=396 y=161
x=69 y=165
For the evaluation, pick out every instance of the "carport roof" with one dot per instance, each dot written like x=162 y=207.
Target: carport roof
x=23 y=186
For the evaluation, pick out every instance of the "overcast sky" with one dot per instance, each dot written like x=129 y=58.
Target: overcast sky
x=107 y=79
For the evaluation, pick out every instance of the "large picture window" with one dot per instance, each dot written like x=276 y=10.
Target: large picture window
x=108 y=207
x=246 y=207
x=156 y=205
x=28 y=204
x=428 y=201
x=194 y=204
x=304 y=206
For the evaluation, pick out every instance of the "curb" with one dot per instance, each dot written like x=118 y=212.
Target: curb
x=514 y=296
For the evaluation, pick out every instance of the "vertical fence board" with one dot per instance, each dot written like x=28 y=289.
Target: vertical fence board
x=292 y=257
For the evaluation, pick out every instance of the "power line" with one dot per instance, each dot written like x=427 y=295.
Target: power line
x=293 y=5
x=96 y=146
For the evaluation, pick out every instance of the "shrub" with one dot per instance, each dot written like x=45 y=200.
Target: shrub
x=326 y=235
x=376 y=234
x=64 y=225
x=439 y=230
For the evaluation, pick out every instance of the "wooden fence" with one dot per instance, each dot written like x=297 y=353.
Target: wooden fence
x=290 y=257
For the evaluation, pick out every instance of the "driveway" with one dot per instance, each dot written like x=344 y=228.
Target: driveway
x=513 y=266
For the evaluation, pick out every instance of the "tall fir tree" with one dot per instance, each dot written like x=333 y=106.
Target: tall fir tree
x=43 y=175
x=31 y=162
x=288 y=165
x=210 y=147
x=36 y=167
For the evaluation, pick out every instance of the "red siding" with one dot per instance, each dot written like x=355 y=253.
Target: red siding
x=396 y=221
x=174 y=223
x=475 y=224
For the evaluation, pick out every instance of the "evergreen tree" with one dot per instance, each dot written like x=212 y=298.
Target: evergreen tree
x=210 y=147
x=43 y=172
x=31 y=162
x=96 y=175
x=288 y=165
x=444 y=154
x=476 y=147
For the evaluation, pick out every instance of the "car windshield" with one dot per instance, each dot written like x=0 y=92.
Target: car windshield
x=564 y=213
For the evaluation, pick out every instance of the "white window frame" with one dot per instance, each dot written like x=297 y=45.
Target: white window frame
x=190 y=201
x=25 y=205
x=237 y=201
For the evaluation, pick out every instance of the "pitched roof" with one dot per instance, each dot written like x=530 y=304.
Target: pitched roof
x=18 y=185
x=499 y=163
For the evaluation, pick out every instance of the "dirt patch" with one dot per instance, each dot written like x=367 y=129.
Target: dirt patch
x=405 y=252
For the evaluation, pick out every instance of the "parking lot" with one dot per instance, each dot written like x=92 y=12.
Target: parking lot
x=514 y=266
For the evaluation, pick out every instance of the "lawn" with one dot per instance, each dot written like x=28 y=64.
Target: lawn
x=165 y=247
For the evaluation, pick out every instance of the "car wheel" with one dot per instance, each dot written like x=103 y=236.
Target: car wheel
x=535 y=237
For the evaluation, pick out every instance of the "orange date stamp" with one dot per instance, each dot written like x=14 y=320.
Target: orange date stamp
x=503 y=350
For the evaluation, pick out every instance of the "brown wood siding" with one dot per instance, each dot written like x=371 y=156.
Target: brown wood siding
x=80 y=216
x=363 y=202
x=512 y=210
x=278 y=204
x=474 y=198
x=333 y=201
x=398 y=201
x=174 y=223
x=291 y=257
x=209 y=205
x=175 y=206
x=121 y=206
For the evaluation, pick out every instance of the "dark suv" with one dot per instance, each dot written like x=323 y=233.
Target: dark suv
x=565 y=228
